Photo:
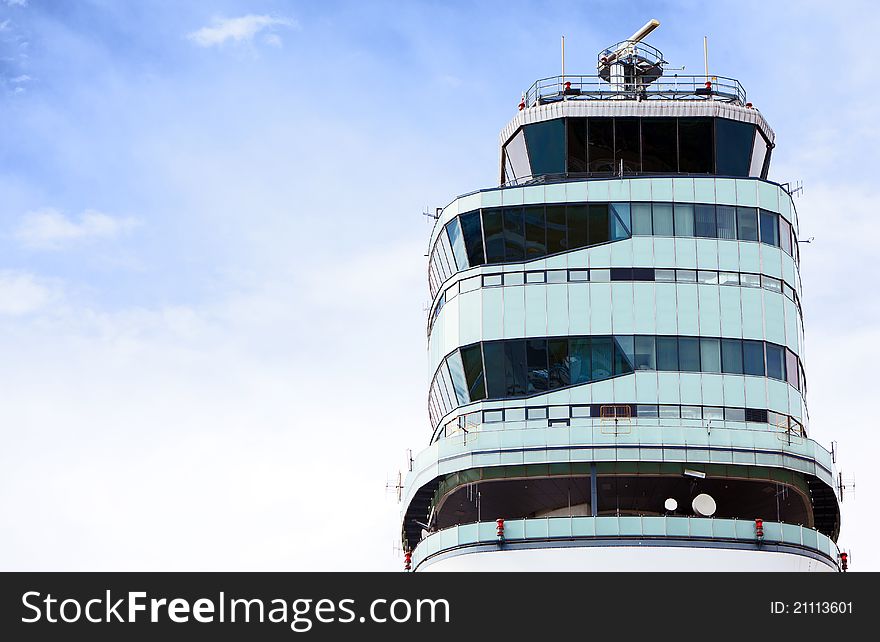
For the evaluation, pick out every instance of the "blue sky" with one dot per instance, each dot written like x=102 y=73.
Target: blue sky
x=211 y=251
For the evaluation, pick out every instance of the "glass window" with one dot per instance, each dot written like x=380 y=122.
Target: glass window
x=493 y=416
x=753 y=358
x=578 y=226
x=494 y=230
x=689 y=354
x=515 y=368
x=733 y=147
x=667 y=354
x=728 y=278
x=670 y=412
x=579 y=360
x=473 y=238
x=456 y=374
x=641 y=219
x=599 y=227
x=750 y=280
x=726 y=218
x=659 y=145
x=472 y=360
x=684 y=219
x=643 y=274
x=706 y=276
x=536 y=358
x=470 y=284
x=662 y=213
x=556 y=276
x=556 y=237
x=496 y=386
x=735 y=414
x=775 y=361
x=580 y=411
x=643 y=359
x=686 y=276
x=691 y=412
x=514 y=278
x=536 y=242
x=602 y=351
x=664 y=275
x=620 y=221
x=747 y=223
x=623 y=355
x=791 y=367
x=695 y=146
x=710 y=355
x=784 y=235
x=626 y=144
x=704 y=221
x=769 y=283
x=769 y=228
x=647 y=412
x=514 y=236
x=600 y=145
x=546 y=144
x=731 y=356
x=453 y=231
x=600 y=275
x=557 y=350
x=756 y=415
x=578 y=275
x=621 y=274
x=535 y=277
x=713 y=412
x=492 y=280
x=577 y=145
x=536 y=413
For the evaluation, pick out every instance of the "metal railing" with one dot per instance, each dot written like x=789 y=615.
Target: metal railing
x=559 y=88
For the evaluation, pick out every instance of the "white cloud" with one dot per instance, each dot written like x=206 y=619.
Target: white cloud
x=49 y=229
x=21 y=293
x=20 y=79
x=241 y=29
x=16 y=3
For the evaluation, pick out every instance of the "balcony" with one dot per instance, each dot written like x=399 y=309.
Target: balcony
x=622 y=531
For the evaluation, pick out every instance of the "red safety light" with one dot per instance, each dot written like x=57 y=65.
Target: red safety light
x=708 y=84
x=843 y=561
x=500 y=528
x=522 y=103
x=567 y=85
x=759 y=528
x=407 y=561
x=748 y=105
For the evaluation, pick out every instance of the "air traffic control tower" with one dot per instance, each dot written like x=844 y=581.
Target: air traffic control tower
x=616 y=343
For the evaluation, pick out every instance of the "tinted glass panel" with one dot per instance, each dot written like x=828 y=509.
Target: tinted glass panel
x=733 y=145
x=472 y=360
x=578 y=226
x=514 y=237
x=620 y=222
x=546 y=144
x=784 y=235
x=791 y=368
x=775 y=361
x=710 y=355
x=515 y=368
x=600 y=144
x=557 y=350
x=644 y=354
x=579 y=360
x=641 y=219
x=704 y=221
x=725 y=216
x=769 y=228
x=623 y=355
x=577 y=145
x=684 y=219
x=695 y=145
x=454 y=232
x=473 y=237
x=602 y=357
x=536 y=244
x=667 y=353
x=747 y=223
x=598 y=224
x=659 y=145
x=626 y=144
x=731 y=356
x=536 y=358
x=662 y=219
x=456 y=373
x=495 y=382
x=494 y=230
x=688 y=354
x=556 y=235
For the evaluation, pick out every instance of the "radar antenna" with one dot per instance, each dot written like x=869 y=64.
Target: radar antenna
x=632 y=65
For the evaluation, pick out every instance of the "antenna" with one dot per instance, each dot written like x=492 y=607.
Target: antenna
x=843 y=487
x=435 y=215
x=706 y=55
x=395 y=487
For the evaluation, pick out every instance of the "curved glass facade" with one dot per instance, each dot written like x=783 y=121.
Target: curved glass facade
x=513 y=368
x=523 y=233
x=596 y=146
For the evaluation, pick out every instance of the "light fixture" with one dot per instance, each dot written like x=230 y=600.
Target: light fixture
x=694 y=473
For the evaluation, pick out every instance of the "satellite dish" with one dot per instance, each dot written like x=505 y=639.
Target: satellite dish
x=704 y=505
x=670 y=504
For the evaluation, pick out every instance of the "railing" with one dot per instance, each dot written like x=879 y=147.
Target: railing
x=660 y=530
x=559 y=88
